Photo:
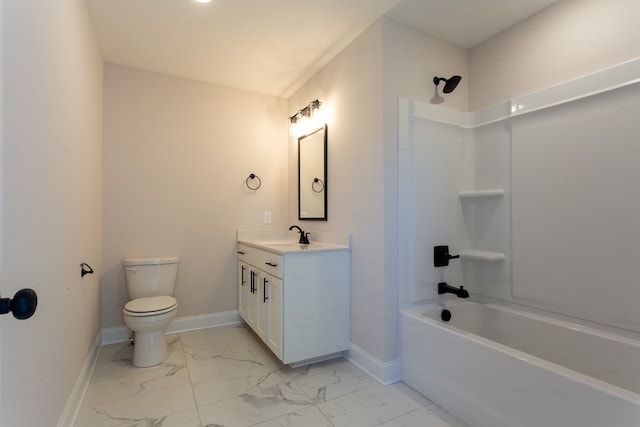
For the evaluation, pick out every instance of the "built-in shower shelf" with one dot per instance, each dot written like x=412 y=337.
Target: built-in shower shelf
x=486 y=256
x=481 y=194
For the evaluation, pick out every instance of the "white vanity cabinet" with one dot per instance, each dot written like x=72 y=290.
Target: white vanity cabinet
x=296 y=301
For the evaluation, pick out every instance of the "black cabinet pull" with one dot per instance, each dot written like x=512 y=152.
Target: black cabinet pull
x=270 y=264
x=264 y=290
x=253 y=274
x=241 y=252
x=242 y=281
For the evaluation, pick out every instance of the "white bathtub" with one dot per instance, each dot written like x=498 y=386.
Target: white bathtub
x=496 y=366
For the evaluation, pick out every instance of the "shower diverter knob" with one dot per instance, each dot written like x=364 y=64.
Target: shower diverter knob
x=441 y=256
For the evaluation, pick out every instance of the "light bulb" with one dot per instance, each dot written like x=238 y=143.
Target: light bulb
x=304 y=125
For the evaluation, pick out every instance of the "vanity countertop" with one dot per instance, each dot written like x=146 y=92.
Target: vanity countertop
x=286 y=241
x=287 y=247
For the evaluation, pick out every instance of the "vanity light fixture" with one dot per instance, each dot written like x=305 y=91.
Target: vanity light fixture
x=306 y=120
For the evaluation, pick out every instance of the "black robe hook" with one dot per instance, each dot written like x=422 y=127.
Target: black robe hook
x=85 y=269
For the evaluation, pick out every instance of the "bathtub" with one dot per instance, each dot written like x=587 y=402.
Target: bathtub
x=493 y=365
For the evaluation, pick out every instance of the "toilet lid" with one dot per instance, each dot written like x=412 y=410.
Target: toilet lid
x=150 y=305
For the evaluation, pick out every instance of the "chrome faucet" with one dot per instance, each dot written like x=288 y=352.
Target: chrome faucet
x=304 y=237
x=460 y=292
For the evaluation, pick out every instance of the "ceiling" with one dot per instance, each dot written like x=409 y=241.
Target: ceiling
x=275 y=46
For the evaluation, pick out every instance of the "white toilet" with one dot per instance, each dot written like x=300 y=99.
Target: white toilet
x=151 y=283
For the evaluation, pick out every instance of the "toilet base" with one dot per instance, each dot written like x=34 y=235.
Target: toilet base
x=150 y=346
x=150 y=349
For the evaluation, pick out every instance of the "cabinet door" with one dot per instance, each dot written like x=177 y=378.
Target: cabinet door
x=252 y=299
x=274 y=318
x=263 y=306
x=243 y=289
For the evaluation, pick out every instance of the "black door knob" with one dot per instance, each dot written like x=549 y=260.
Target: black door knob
x=23 y=304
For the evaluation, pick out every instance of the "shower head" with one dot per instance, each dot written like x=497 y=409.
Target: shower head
x=449 y=84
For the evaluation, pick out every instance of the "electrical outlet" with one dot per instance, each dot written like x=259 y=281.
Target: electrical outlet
x=267 y=217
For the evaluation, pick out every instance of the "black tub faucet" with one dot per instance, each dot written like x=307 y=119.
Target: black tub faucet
x=304 y=237
x=460 y=292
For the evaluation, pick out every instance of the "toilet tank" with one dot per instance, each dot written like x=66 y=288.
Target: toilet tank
x=151 y=276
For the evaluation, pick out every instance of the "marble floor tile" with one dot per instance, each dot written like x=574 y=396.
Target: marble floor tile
x=245 y=382
x=226 y=377
x=219 y=348
x=427 y=416
x=131 y=386
x=215 y=335
x=143 y=407
x=253 y=407
x=372 y=406
x=227 y=366
x=114 y=352
x=335 y=378
x=307 y=417
x=189 y=418
x=117 y=362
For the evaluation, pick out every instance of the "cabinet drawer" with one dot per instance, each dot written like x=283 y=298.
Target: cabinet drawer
x=265 y=261
x=244 y=253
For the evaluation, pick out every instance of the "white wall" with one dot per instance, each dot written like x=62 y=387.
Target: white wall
x=177 y=153
x=359 y=88
x=565 y=41
x=1 y=175
x=350 y=88
x=411 y=59
x=52 y=204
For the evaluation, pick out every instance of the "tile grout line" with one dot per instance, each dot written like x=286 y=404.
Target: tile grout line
x=193 y=391
x=313 y=403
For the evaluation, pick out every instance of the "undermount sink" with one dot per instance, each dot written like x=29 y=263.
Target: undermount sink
x=279 y=243
x=288 y=246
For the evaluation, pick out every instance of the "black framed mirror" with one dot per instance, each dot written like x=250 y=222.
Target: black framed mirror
x=312 y=175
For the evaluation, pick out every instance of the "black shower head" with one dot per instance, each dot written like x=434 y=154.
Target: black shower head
x=449 y=84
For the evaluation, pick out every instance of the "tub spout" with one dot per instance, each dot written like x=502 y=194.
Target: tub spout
x=460 y=292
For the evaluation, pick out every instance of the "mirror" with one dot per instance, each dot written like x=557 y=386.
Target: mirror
x=312 y=175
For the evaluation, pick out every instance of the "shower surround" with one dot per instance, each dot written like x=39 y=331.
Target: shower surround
x=541 y=187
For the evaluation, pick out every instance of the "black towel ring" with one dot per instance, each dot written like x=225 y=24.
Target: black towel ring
x=321 y=185
x=251 y=177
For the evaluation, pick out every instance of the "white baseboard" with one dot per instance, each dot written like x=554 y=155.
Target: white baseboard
x=384 y=372
x=181 y=324
x=70 y=412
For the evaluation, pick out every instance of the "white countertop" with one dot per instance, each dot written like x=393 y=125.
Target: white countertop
x=286 y=247
x=285 y=241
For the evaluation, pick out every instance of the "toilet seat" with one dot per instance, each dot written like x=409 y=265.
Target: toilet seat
x=150 y=306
